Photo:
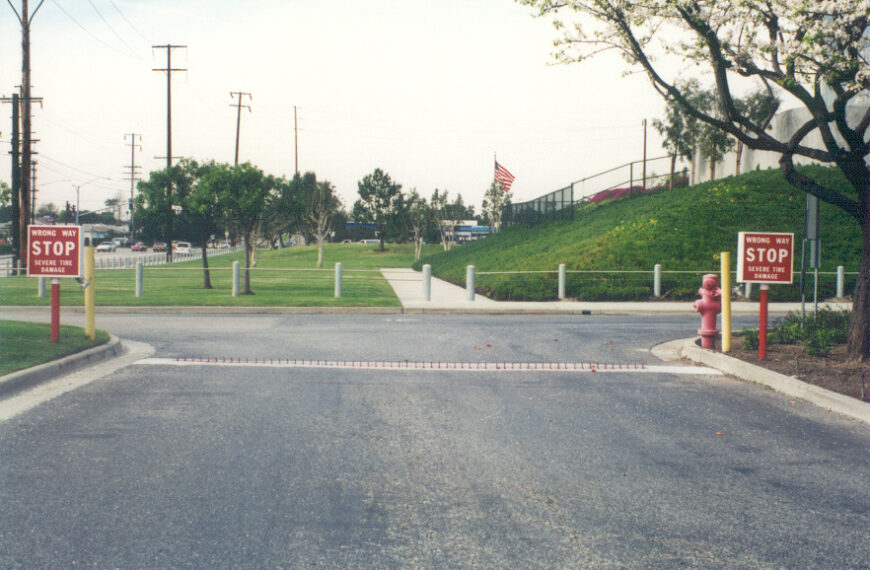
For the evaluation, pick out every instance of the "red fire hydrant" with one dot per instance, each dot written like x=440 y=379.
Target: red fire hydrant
x=709 y=306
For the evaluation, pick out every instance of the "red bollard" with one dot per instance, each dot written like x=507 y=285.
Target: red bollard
x=709 y=306
x=55 y=310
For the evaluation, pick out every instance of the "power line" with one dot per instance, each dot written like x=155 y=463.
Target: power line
x=112 y=29
x=129 y=23
x=94 y=36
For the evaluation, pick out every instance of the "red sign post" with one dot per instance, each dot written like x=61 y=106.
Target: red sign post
x=765 y=258
x=54 y=251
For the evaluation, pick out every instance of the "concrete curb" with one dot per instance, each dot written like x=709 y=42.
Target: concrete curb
x=787 y=385
x=29 y=377
x=462 y=307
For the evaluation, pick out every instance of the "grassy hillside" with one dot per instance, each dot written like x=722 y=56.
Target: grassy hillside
x=683 y=230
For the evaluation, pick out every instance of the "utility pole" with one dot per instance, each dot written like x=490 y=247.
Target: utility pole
x=33 y=192
x=644 y=154
x=296 y=139
x=238 y=105
x=169 y=69
x=132 y=144
x=16 y=179
x=25 y=17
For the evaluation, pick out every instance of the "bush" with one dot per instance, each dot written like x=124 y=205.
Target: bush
x=817 y=332
x=819 y=342
x=750 y=338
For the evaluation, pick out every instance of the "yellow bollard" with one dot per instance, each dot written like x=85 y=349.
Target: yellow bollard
x=726 y=301
x=90 y=319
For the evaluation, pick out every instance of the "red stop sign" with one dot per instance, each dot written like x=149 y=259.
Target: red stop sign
x=54 y=251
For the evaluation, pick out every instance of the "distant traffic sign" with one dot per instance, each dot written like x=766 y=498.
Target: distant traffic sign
x=765 y=257
x=54 y=251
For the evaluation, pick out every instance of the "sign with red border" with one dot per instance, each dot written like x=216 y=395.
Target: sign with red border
x=765 y=257
x=54 y=251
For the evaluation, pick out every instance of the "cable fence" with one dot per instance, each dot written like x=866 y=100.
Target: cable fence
x=636 y=285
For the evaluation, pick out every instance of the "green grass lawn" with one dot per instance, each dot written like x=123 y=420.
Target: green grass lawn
x=283 y=277
x=28 y=344
x=684 y=229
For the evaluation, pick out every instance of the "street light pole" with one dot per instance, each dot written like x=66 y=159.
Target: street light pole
x=78 y=188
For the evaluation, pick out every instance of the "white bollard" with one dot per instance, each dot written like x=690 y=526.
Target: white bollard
x=427 y=282
x=235 y=279
x=469 y=283
x=657 y=280
x=562 y=278
x=841 y=281
x=139 y=279
x=338 y=280
x=41 y=288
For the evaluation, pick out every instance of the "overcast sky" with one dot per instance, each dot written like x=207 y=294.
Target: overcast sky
x=427 y=90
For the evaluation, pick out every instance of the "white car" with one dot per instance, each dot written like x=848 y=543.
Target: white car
x=106 y=246
x=182 y=247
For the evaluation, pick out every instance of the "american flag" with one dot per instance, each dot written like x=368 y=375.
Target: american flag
x=503 y=177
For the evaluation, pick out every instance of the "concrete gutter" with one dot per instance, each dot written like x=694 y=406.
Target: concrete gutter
x=29 y=377
x=788 y=385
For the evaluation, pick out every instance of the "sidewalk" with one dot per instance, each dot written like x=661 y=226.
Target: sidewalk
x=449 y=298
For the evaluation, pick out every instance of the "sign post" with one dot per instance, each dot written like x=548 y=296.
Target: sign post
x=765 y=258
x=54 y=251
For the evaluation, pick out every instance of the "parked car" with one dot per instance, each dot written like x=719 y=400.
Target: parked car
x=106 y=246
x=182 y=247
x=139 y=246
x=122 y=242
x=158 y=246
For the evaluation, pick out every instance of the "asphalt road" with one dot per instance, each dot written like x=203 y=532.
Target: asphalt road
x=161 y=465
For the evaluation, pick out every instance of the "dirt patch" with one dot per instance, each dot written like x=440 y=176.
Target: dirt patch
x=834 y=372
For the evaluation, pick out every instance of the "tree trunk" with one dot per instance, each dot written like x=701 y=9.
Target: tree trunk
x=712 y=169
x=859 y=326
x=252 y=243
x=319 y=251
x=246 y=284
x=673 y=167
x=206 y=275
x=739 y=153
x=692 y=165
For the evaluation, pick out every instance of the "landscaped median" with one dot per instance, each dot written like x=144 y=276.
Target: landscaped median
x=25 y=345
x=281 y=278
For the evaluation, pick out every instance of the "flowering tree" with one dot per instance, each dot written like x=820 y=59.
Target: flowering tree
x=813 y=52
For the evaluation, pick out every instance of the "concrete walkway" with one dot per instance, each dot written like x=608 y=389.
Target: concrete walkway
x=449 y=298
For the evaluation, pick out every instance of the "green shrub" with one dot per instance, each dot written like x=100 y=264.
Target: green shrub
x=750 y=338
x=819 y=342
x=817 y=332
x=788 y=330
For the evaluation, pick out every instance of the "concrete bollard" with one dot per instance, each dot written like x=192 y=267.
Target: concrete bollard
x=41 y=289
x=841 y=281
x=235 y=279
x=748 y=290
x=563 y=274
x=657 y=280
x=139 y=279
x=427 y=282
x=338 y=280
x=469 y=283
